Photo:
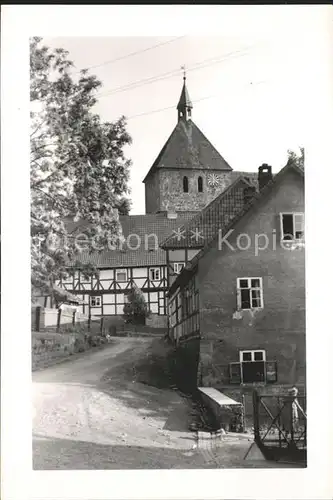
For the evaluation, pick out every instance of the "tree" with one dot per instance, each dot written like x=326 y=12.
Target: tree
x=78 y=167
x=136 y=309
x=296 y=159
x=124 y=206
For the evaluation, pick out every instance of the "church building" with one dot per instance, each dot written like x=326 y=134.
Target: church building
x=187 y=175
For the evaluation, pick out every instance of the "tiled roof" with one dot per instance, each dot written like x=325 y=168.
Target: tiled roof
x=143 y=227
x=203 y=226
x=187 y=147
x=227 y=225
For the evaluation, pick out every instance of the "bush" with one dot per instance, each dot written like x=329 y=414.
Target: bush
x=136 y=309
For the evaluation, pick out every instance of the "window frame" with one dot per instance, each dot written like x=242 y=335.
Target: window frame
x=96 y=297
x=123 y=270
x=252 y=351
x=239 y=295
x=154 y=269
x=294 y=214
x=253 y=360
x=177 y=264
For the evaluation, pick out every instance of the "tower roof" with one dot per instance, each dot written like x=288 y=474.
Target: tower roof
x=184 y=100
x=187 y=147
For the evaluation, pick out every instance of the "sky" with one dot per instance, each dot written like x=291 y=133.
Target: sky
x=249 y=93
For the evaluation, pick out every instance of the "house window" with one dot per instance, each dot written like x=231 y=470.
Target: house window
x=121 y=275
x=292 y=226
x=249 y=293
x=185 y=184
x=154 y=273
x=95 y=301
x=200 y=184
x=252 y=366
x=178 y=266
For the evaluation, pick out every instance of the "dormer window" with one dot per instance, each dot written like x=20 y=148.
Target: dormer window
x=185 y=184
x=200 y=185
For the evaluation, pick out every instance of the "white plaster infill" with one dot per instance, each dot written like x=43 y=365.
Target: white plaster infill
x=218 y=397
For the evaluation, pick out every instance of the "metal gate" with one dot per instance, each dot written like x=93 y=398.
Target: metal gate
x=280 y=426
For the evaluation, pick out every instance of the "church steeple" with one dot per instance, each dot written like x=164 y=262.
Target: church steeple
x=184 y=105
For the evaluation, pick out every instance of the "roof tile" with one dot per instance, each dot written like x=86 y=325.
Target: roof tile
x=140 y=249
x=188 y=147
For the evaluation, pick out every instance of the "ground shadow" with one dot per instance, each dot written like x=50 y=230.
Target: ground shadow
x=66 y=454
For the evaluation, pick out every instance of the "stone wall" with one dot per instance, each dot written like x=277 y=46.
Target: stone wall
x=278 y=328
x=172 y=196
x=164 y=188
x=49 y=348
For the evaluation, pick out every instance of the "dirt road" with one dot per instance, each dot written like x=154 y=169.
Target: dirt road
x=91 y=413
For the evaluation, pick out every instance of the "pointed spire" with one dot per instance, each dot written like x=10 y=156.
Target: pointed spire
x=184 y=105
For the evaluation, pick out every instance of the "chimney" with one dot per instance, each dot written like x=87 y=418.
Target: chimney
x=264 y=175
x=248 y=193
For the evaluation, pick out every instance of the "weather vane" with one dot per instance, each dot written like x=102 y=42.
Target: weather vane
x=184 y=70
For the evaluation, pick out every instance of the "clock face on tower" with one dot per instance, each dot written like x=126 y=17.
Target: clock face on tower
x=213 y=180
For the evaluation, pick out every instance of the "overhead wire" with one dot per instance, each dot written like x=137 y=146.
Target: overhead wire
x=162 y=76
x=193 y=101
x=131 y=54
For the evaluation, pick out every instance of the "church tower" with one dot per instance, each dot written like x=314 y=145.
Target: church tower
x=185 y=106
x=189 y=172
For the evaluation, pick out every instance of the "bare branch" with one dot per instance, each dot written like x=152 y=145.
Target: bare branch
x=37 y=128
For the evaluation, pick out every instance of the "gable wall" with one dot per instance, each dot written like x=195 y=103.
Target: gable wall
x=279 y=328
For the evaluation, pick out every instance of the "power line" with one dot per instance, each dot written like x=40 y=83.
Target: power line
x=169 y=74
x=195 y=101
x=131 y=54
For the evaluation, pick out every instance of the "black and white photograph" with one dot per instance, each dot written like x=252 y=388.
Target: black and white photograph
x=168 y=246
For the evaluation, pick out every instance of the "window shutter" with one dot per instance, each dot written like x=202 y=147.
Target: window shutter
x=238 y=299
x=235 y=373
x=271 y=371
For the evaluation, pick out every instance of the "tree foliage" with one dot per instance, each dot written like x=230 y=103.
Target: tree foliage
x=124 y=206
x=296 y=159
x=78 y=167
x=136 y=309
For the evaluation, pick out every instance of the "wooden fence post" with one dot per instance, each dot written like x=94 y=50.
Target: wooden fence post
x=58 y=319
x=38 y=314
x=256 y=411
x=244 y=413
x=102 y=324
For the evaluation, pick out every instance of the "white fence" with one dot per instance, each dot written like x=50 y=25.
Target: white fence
x=45 y=318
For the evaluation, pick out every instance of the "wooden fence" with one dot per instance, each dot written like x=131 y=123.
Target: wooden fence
x=64 y=320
